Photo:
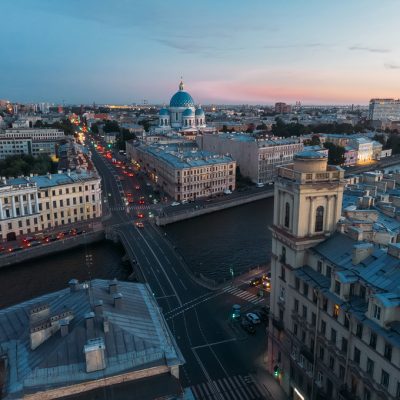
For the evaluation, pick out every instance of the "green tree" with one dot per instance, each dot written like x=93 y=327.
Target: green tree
x=336 y=154
x=393 y=143
x=95 y=128
x=111 y=126
x=380 y=138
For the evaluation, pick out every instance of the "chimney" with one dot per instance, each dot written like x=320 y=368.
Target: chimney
x=98 y=308
x=68 y=172
x=59 y=171
x=113 y=286
x=361 y=251
x=89 y=322
x=73 y=285
x=117 y=300
x=49 y=175
x=94 y=355
x=64 y=327
x=106 y=325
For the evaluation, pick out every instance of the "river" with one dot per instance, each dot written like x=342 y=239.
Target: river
x=236 y=238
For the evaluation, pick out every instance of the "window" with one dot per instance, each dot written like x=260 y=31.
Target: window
x=287 y=215
x=296 y=305
x=295 y=329
x=346 y=321
x=323 y=327
x=321 y=353
x=362 y=292
x=305 y=289
x=372 y=340
x=388 y=352
x=331 y=362
x=325 y=304
x=313 y=319
x=297 y=283
x=314 y=297
x=359 y=330
x=283 y=273
x=398 y=391
x=341 y=371
x=303 y=336
x=333 y=335
x=367 y=394
x=304 y=312
x=384 y=379
x=344 y=345
x=328 y=271
x=370 y=367
x=283 y=255
x=319 y=219
x=357 y=355
x=319 y=267
x=377 y=312
x=337 y=287
x=335 y=312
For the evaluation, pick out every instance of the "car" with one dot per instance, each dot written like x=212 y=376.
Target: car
x=253 y=318
x=256 y=281
x=60 y=235
x=80 y=232
x=140 y=215
x=131 y=174
x=35 y=243
x=227 y=191
x=139 y=224
x=184 y=201
x=262 y=315
x=137 y=187
x=141 y=200
x=247 y=326
x=259 y=185
x=175 y=203
x=72 y=232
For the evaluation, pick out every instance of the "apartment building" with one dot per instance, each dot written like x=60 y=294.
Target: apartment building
x=335 y=309
x=34 y=133
x=384 y=109
x=256 y=158
x=35 y=203
x=184 y=172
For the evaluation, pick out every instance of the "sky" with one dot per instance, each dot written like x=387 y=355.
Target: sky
x=228 y=52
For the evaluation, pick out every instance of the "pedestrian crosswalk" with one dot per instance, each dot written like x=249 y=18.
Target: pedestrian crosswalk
x=247 y=296
x=232 y=388
x=138 y=207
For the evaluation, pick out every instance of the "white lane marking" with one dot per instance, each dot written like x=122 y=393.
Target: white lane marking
x=180 y=280
x=214 y=344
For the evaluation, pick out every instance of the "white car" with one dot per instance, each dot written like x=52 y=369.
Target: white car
x=259 y=185
x=185 y=201
x=227 y=191
x=253 y=318
x=175 y=203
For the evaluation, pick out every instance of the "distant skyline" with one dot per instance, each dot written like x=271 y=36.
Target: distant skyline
x=255 y=52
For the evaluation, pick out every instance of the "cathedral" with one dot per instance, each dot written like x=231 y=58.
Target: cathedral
x=181 y=115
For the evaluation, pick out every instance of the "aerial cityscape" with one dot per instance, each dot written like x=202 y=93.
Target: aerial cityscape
x=199 y=201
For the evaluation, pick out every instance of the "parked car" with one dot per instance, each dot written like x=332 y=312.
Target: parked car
x=253 y=318
x=139 y=224
x=175 y=203
x=247 y=326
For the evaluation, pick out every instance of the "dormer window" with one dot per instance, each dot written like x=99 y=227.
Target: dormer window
x=377 y=312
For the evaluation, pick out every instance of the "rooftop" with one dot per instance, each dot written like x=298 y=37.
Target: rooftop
x=136 y=336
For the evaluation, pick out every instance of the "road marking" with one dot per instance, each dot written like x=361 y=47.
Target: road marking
x=214 y=344
x=162 y=268
x=180 y=280
x=165 y=297
x=173 y=270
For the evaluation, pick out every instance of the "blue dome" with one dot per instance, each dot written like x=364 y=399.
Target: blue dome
x=199 y=111
x=188 y=113
x=163 y=111
x=181 y=99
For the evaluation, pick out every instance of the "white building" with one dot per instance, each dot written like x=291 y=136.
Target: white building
x=34 y=133
x=384 y=109
x=181 y=115
x=364 y=148
x=256 y=158
x=33 y=204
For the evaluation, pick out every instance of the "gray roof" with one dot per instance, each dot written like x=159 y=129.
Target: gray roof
x=138 y=337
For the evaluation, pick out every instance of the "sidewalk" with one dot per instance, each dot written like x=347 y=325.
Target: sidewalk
x=269 y=385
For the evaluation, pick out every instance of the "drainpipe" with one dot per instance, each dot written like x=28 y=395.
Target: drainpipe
x=316 y=292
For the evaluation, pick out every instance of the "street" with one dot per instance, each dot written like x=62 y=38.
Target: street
x=220 y=355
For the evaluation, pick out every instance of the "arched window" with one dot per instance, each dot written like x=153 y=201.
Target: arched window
x=161 y=122
x=319 y=219
x=287 y=215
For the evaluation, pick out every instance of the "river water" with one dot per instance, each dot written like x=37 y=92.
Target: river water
x=236 y=238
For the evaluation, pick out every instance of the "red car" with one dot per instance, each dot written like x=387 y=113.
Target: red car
x=141 y=200
x=140 y=215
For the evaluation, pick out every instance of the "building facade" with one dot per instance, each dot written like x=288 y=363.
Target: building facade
x=335 y=311
x=182 y=171
x=384 y=109
x=34 y=133
x=181 y=114
x=256 y=158
x=36 y=203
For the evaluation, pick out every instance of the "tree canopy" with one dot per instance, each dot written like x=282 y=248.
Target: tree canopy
x=336 y=153
x=25 y=164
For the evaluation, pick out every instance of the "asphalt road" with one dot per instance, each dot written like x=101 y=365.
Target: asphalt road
x=214 y=347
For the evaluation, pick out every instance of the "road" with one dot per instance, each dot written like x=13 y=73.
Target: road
x=219 y=354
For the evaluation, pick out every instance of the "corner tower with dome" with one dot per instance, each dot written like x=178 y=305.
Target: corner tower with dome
x=182 y=114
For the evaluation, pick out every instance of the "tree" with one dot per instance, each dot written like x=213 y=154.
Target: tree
x=380 y=138
x=95 y=128
x=336 y=153
x=26 y=164
x=224 y=128
x=393 y=143
x=111 y=126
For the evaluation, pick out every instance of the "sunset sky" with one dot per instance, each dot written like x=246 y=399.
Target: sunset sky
x=255 y=52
